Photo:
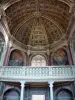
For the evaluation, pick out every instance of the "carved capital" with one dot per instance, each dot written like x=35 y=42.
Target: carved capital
x=22 y=83
x=50 y=83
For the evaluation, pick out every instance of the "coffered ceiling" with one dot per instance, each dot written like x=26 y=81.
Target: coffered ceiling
x=38 y=22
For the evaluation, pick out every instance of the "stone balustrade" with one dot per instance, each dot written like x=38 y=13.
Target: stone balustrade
x=45 y=73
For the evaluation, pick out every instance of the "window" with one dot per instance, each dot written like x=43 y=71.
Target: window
x=38 y=61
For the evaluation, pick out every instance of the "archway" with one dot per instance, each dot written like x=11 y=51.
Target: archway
x=11 y=94
x=64 y=94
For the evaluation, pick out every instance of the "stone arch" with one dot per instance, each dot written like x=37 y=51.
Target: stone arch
x=72 y=45
x=63 y=94
x=11 y=93
x=16 y=58
x=2 y=43
x=4 y=33
x=72 y=41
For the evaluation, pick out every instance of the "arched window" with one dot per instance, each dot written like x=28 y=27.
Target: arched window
x=38 y=61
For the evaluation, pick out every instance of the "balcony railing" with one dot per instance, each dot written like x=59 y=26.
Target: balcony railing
x=11 y=98
x=18 y=98
x=28 y=72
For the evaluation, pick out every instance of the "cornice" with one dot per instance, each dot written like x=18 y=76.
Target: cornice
x=6 y=5
x=68 y=2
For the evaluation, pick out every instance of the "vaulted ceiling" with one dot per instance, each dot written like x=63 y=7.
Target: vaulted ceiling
x=38 y=22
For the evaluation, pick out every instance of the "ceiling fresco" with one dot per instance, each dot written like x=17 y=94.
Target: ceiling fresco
x=38 y=22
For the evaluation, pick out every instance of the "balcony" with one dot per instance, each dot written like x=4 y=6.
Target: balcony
x=37 y=74
x=18 y=98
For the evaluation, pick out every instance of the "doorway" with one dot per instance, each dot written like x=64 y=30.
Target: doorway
x=38 y=97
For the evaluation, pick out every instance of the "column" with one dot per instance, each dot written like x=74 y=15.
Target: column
x=7 y=57
x=28 y=54
x=8 y=54
x=69 y=56
x=74 y=89
x=48 y=57
x=22 y=90
x=51 y=89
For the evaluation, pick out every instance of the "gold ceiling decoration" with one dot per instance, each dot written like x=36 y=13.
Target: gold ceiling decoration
x=38 y=35
x=52 y=17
